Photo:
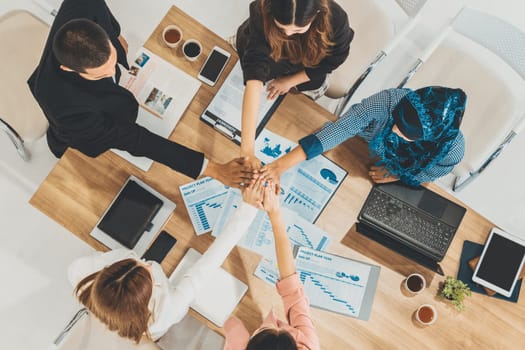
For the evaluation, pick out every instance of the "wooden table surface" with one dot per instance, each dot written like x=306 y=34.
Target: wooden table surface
x=79 y=189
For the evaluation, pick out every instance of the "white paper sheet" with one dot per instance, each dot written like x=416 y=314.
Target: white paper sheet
x=163 y=92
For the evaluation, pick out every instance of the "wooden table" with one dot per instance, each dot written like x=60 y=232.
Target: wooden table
x=79 y=188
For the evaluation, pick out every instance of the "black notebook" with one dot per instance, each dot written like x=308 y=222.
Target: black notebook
x=130 y=214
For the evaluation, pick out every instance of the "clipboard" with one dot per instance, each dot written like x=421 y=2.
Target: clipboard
x=224 y=113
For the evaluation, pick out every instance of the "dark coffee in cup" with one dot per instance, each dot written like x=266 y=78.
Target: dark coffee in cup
x=192 y=49
x=415 y=283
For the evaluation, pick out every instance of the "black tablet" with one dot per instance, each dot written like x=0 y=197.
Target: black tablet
x=501 y=262
x=130 y=214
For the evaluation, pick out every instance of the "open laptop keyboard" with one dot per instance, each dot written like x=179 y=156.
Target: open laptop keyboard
x=403 y=222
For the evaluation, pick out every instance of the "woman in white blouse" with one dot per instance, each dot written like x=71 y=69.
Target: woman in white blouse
x=134 y=298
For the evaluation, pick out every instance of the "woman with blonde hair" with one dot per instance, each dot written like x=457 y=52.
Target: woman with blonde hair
x=134 y=297
x=293 y=45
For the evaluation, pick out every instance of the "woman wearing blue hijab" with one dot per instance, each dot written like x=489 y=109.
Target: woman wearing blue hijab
x=413 y=135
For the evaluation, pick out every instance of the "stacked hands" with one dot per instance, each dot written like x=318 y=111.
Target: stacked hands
x=243 y=171
x=262 y=195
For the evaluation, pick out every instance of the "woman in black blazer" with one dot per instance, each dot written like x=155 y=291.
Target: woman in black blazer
x=294 y=44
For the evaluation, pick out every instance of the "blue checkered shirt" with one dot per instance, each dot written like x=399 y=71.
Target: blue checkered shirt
x=366 y=119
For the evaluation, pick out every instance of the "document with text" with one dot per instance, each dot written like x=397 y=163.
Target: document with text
x=163 y=92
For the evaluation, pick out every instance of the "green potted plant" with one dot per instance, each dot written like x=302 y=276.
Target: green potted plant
x=455 y=291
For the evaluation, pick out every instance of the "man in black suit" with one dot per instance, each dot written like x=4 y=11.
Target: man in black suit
x=76 y=86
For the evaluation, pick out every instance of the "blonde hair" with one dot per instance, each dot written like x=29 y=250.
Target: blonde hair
x=308 y=48
x=119 y=295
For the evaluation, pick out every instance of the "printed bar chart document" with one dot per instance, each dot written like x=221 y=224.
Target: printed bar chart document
x=204 y=200
x=163 y=92
x=259 y=237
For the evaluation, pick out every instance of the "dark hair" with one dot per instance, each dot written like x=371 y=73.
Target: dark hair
x=118 y=295
x=308 y=48
x=407 y=119
x=80 y=44
x=271 y=338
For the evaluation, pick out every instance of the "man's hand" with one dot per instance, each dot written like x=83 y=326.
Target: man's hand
x=124 y=43
x=253 y=194
x=279 y=86
x=235 y=173
x=380 y=175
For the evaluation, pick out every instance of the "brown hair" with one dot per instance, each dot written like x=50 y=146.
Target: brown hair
x=308 y=48
x=272 y=338
x=118 y=295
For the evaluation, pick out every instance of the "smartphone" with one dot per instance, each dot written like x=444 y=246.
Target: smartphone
x=158 y=250
x=214 y=65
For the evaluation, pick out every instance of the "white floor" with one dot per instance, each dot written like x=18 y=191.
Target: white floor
x=35 y=298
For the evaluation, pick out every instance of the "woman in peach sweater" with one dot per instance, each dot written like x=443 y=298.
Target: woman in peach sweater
x=298 y=331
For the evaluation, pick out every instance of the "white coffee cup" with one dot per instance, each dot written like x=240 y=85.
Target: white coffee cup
x=192 y=49
x=172 y=36
x=415 y=283
x=426 y=314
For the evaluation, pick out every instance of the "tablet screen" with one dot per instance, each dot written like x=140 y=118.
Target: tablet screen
x=501 y=262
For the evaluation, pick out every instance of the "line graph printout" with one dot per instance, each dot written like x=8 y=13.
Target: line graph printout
x=204 y=201
x=337 y=284
x=331 y=282
x=259 y=237
x=307 y=187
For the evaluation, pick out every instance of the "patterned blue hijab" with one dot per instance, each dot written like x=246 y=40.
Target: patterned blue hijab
x=430 y=117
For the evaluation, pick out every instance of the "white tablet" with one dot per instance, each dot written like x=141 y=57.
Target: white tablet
x=501 y=262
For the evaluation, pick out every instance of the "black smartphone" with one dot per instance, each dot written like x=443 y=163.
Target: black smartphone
x=158 y=250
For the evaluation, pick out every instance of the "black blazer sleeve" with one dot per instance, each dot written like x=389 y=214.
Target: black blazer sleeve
x=93 y=134
x=342 y=35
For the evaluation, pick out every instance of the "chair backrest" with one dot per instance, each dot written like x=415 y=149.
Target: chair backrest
x=461 y=61
x=502 y=38
x=22 y=38
x=190 y=334
x=88 y=333
x=411 y=7
x=373 y=28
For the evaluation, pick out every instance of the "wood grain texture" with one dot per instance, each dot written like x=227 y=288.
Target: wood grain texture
x=79 y=189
